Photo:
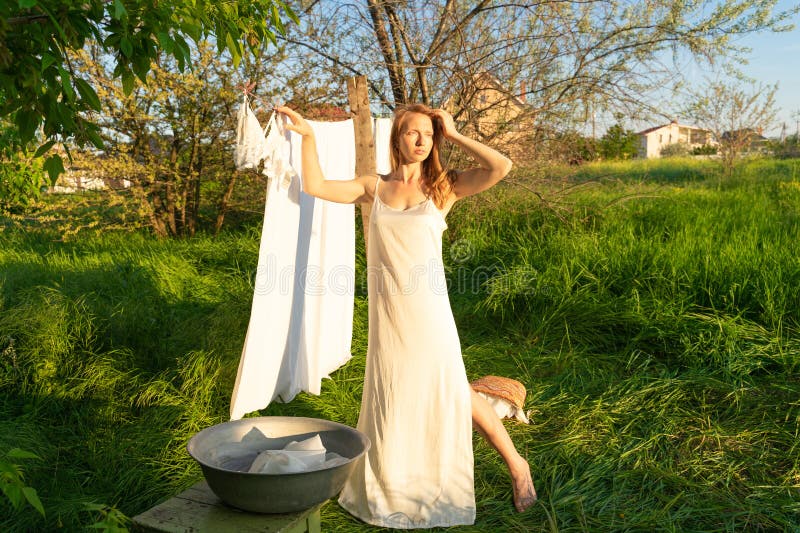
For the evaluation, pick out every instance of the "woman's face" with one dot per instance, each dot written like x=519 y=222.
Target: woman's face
x=416 y=137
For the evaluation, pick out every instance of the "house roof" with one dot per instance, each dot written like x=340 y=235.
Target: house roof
x=751 y=133
x=655 y=128
x=651 y=130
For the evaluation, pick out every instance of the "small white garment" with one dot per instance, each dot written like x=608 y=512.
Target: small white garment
x=277 y=163
x=504 y=408
x=239 y=456
x=251 y=146
x=302 y=456
x=254 y=145
x=301 y=319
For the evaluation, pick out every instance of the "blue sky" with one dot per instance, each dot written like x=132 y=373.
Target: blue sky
x=776 y=58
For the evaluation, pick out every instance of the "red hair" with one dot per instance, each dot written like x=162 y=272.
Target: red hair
x=437 y=179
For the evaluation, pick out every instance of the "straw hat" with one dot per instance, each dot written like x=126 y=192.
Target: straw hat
x=508 y=389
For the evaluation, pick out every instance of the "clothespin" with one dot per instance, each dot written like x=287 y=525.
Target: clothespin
x=247 y=87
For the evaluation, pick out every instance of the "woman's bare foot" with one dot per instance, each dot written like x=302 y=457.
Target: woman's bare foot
x=522 y=483
x=489 y=425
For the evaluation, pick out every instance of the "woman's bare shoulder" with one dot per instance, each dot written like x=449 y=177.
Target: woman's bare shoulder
x=368 y=181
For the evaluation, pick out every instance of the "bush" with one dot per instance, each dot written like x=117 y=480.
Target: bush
x=675 y=150
x=21 y=181
x=788 y=149
x=705 y=149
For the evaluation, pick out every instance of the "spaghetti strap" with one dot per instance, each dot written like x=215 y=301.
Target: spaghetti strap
x=377 y=182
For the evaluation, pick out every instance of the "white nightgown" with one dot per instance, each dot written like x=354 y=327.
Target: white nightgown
x=416 y=405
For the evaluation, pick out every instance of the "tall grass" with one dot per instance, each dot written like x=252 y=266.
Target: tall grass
x=657 y=337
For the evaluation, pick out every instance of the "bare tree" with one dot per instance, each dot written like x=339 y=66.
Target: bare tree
x=736 y=114
x=558 y=56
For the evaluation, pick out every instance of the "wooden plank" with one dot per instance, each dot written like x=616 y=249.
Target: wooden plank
x=200 y=492
x=315 y=522
x=198 y=509
x=365 y=144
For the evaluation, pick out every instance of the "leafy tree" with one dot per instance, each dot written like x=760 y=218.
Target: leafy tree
x=618 y=143
x=170 y=137
x=46 y=98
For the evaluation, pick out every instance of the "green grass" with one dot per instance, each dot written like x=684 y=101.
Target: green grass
x=653 y=316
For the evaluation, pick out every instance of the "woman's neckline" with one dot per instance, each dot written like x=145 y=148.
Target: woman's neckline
x=400 y=208
x=381 y=181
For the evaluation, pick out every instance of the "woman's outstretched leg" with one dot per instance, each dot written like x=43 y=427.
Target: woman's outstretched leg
x=488 y=424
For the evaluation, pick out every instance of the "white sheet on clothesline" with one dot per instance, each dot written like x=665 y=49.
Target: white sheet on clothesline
x=301 y=319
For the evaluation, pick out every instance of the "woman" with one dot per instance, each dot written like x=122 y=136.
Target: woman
x=417 y=407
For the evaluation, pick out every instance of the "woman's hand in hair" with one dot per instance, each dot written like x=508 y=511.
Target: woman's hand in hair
x=298 y=124
x=448 y=124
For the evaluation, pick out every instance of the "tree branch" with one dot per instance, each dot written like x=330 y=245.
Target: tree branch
x=15 y=21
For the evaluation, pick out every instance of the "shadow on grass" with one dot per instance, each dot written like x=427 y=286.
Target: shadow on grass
x=111 y=359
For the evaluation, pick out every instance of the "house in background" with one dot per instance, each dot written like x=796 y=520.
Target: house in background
x=492 y=112
x=751 y=140
x=653 y=140
x=86 y=172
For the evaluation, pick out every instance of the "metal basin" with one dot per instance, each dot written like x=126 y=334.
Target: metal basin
x=276 y=493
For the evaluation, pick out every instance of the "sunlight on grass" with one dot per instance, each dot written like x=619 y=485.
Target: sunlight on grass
x=657 y=337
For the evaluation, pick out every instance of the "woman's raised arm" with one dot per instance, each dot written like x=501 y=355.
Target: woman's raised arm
x=493 y=166
x=314 y=183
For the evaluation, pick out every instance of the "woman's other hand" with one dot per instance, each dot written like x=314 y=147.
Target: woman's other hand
x=298 y=124
x=448 y=124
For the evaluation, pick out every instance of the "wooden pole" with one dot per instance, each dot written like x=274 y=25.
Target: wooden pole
x=365 y=145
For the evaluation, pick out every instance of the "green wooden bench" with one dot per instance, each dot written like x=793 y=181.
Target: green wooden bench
x=198 y=510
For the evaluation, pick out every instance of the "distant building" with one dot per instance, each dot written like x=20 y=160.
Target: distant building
x=84 y=173
x=494 y=113
x=653 y=140
x=76 y=179
x=750 y=139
